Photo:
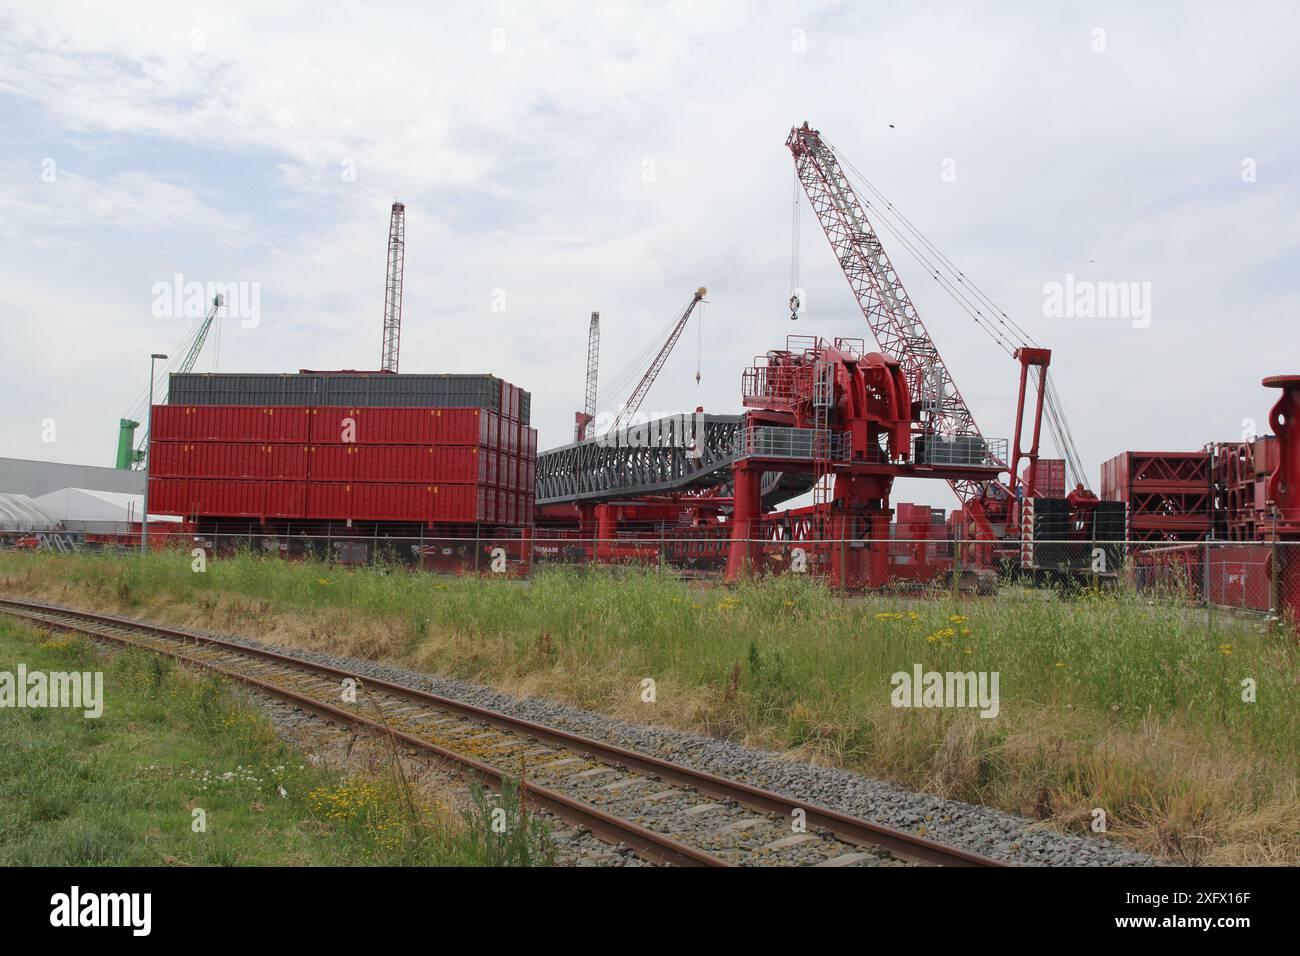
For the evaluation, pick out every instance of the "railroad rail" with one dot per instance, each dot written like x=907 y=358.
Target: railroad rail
x=664 y=812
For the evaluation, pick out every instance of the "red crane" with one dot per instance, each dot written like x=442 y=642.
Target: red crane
x=902 y=335
x=393 y=288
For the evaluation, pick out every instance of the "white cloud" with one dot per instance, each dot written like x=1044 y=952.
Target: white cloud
x=523 y=169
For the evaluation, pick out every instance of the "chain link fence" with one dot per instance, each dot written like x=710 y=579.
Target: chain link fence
x=1241 y=576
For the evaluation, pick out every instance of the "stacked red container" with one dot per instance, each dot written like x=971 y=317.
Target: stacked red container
x=1049 y=478
x=1168 y=493
x=384 y=464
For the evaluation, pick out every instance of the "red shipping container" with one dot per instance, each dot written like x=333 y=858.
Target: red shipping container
x=217 y=423
x=169 y=423
x=288 y=423
x=228 y=460
x=493 y=460
x=370 y=426
x=167 y=496
x=1049 y=478
x=1264 y=455
x=330 y=462
x=370 y=501
x=492 y=430
x=167 y=459
x=230 y=498
x=285 y=499
x=283 y=461
x=459 y=503
x=392 y=463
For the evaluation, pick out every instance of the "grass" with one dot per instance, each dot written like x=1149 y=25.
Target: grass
x=1107 y=700
x=124 y=789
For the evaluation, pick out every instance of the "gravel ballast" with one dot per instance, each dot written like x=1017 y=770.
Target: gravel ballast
x=992 y=833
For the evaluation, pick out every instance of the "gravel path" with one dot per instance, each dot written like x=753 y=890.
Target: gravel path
x=983 y=830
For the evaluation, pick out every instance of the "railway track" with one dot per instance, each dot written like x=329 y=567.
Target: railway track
x=664 y=812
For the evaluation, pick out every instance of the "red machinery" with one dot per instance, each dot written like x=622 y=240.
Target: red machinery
x=989 y=504
x=830 y=418
x=1284 y=487
x=846 y=419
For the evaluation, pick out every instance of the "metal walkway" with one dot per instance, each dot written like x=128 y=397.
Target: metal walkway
x=679 y=454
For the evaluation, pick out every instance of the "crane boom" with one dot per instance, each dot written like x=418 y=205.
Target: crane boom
x=393 y=288
x=132 y=454
x=633 y=404
x=585 y=417
x=200 y=337
x=885 y=304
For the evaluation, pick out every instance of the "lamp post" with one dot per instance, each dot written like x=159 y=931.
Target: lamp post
x=144 y=517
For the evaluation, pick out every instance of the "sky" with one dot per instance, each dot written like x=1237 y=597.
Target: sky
x=556 y=159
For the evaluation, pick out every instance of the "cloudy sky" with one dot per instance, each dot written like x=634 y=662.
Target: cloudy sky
x=560 y=158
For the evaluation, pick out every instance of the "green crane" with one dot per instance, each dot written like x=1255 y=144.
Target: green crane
x=129 y=453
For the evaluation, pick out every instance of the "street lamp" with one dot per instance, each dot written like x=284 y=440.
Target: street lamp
x=144 y=518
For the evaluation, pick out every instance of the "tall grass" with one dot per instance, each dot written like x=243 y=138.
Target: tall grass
x=121 y=789
x=1106 y=699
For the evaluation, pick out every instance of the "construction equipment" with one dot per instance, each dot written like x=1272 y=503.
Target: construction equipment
x=944 y=415
x=584 y=418
x=633 y=404
x=130 y=453
x=393 y=288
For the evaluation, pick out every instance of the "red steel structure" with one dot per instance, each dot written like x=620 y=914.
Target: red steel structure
x=1284 y=486
x=1168 y=493
x=847 y=419
x=903 y=337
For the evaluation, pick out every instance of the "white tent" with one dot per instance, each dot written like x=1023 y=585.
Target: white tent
x=85 y=509
x=21 y=513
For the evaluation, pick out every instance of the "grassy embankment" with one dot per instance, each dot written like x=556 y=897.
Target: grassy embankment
x=121 y=789
x=1108 y=701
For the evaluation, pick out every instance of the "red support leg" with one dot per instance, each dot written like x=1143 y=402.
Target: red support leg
x=745 y=520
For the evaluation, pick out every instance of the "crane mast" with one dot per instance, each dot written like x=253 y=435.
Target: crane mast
x=585 y=417
x=633 y=404
x=885 y=304
x=393 y=288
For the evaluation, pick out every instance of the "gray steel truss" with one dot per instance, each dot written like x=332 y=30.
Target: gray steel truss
x=679 y=454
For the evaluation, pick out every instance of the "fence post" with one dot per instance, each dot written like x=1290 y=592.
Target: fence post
x=1276 y=589
x=844 y=559
x=1205 y=589
x=956 y=562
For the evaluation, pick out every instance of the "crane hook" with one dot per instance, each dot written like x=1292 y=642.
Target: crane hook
x=794 y=308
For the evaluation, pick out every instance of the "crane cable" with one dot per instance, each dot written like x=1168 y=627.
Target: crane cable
x=699 y=341
x=796 y=300
x=620 y=382
x=1057 y=424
